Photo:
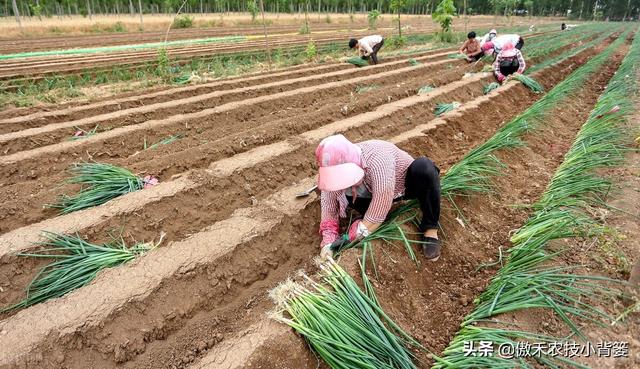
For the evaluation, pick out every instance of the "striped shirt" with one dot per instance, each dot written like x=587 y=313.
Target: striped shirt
x=385 y=167
x=499 y=58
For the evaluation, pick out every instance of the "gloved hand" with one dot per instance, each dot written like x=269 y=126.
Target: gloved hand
x=357 y=230
x=501 y=79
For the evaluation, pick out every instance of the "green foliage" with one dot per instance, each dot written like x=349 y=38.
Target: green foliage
x=182 y=21
x=304 y=29
x=530 y=83
x=443 y=15
x=413 y=62
x=252 y=7
x=344 y=325
x=425 y=89
x=372 y=19
x=395 y=42
x=490 y=87
x=100 y=183
x=162 y=68
x=442 y=108
x=76 y=263
x=118 y=27
x=311 y=52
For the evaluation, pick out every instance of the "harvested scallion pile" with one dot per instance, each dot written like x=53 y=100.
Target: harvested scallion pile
x=425 y=89
x=357 y=61
x=100 y=183
x=456 y=56
x=529 y=82
x=345 y=326
x=76 y=264
x=413 y=62
x=442 y=108
x=490 y=87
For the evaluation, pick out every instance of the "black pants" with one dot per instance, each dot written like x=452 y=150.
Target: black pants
x=422 y=183
x=520 y=44
x=506 y=71
x=374 y=54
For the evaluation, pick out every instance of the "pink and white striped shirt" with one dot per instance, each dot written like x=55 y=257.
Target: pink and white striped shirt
x=385 y=167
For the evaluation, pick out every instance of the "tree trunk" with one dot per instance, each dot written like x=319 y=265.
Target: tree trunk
x=624 y=19
x=581 y=7
x=399 y=26
x=264 y=28
x=466 y=19
x=131 y=10
x=140 y=11
x=16 y=13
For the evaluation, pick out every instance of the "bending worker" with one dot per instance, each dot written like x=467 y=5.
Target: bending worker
x=369 y=177
x=494 y=46
x=368 y=46
x=508 y=62
x=471 y=48
x=488 y=37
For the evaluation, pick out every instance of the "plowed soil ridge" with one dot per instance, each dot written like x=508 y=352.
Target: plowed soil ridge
x=201 y=268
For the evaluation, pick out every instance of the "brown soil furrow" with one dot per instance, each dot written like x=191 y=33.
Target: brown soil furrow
x=448 y=286
x=39 y=43
x=51 y=43
x=30 y=65
x=267 y=247
x=77 y=112
x=225 y=167
x=201 y=120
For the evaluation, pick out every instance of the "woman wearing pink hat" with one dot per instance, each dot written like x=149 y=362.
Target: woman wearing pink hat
x=508 y=62
x=369 y=177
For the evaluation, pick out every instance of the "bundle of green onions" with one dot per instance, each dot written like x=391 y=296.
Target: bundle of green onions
x=442 y=108
x=490 y=87
x=100 y=183
x=456 y=56
x=529 y=82
x=343 y=325
x=413 y=62
x=77 y=262
x=357 y=61
x=364 y=89
x=425 y=89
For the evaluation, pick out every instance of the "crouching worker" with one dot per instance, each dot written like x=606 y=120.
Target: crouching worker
x=368 y=47
x=508 y=62
x=471 y=48
x=369 y=177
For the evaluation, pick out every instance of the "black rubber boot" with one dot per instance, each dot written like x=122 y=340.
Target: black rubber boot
x=431 y=248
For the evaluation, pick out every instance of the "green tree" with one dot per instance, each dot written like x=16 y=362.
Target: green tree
x=372 y=18
x=396 y=6
x=443 y=15
x=253 y=9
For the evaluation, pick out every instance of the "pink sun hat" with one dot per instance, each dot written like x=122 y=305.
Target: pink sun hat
x=509 y=50
x=487 y=47
x=340 y=163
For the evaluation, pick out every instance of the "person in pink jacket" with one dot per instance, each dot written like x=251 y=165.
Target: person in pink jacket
x=369 y=177
x=508 y=62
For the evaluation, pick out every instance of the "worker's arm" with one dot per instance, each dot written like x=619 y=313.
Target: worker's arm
x=329 y=208
x=496 y=68
x=365 y=48
x=463 y=48
x=521 y=63
x=383 y=181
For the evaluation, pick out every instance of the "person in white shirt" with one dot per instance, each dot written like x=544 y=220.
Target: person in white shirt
x=495 y=46
x=488 y=37
x=368 y=47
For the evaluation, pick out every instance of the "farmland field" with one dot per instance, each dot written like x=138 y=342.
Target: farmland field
x=231 y=152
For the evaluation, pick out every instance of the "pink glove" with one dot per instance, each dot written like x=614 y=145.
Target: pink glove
x=500 y=79
x=357 y=230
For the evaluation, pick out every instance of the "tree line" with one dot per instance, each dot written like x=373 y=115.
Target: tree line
x=576 y=9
